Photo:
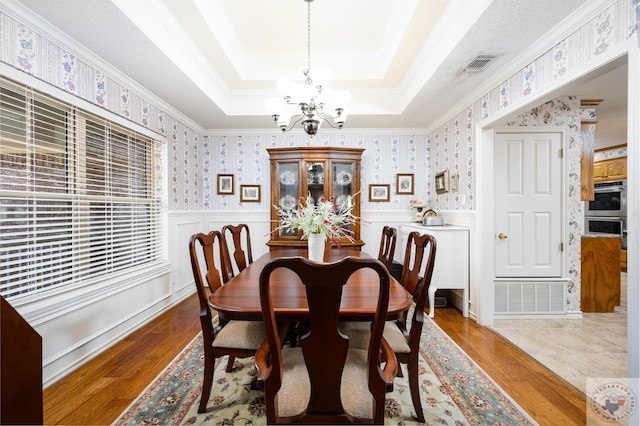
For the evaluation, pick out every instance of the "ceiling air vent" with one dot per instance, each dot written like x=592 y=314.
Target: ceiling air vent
x=479 y=63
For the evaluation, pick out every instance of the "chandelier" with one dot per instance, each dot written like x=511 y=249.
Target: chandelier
x=312 y=97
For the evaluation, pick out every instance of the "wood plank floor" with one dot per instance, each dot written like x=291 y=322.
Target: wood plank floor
x=100 y=390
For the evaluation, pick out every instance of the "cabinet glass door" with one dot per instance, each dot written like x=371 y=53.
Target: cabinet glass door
x=343 y=183
x=315 y=181
x=289 y=189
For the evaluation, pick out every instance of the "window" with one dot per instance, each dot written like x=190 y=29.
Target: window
x=78 y=196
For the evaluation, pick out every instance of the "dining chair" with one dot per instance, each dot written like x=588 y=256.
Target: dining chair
x=387 y=246
x=405 y=341
x=238 y=238
x=324 y=379
x=234 y=338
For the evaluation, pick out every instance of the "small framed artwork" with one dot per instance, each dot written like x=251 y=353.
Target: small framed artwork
x=250 y=193
x=379 y=192
x=404 y=183
x=225 y=184
x=442 y=182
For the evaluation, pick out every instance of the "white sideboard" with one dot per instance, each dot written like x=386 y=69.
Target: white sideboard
x=451 y=270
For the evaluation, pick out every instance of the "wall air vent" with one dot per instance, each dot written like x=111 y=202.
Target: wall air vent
x=479 y=63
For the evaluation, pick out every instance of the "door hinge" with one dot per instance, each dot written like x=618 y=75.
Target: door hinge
x=561 y=152
x=561 y=247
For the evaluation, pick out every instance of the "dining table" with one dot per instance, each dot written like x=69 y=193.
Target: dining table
x=239 y=298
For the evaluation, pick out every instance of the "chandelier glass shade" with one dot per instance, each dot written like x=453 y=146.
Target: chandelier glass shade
x=310 y=103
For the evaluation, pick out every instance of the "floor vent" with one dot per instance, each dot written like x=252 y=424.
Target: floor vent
x=546 y=297
x=479 y=63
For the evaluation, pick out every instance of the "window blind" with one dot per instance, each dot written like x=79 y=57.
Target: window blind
x=78 y=196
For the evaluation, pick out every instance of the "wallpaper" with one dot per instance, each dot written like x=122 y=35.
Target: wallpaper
x=610 y=153
x=196 y=162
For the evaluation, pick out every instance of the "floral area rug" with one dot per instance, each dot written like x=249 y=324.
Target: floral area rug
x=454 y=390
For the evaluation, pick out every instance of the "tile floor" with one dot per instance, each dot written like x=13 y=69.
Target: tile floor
x=576 y=349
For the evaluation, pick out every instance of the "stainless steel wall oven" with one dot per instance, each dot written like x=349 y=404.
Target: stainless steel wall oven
x=610 y=200
x=607 y=213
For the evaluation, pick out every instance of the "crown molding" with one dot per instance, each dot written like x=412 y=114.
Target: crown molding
x=24 y=15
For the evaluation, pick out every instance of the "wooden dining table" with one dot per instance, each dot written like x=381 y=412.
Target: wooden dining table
x=239 y=298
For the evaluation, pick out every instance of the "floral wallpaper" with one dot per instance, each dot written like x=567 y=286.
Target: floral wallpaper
x=245 y=156
x=610 y=153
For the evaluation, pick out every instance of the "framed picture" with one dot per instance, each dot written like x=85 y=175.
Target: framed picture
x=379 y=192
x=225 y=184
x=404 y=183
x=442 y=182
x=250 y=193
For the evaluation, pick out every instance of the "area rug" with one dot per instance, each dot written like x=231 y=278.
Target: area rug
x=454 y=390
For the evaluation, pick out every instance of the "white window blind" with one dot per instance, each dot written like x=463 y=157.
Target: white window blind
x=78 y=196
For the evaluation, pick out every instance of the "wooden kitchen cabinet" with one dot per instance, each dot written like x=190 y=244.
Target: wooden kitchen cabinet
x=600 y=276
x=319 y=171
x=611 y=169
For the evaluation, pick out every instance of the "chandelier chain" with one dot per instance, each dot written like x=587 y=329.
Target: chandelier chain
x=311 y=99
x=308 y=34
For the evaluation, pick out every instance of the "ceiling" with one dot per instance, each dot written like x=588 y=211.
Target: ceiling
x=215 y=61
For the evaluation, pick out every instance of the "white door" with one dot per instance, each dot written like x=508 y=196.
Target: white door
x=528 y=196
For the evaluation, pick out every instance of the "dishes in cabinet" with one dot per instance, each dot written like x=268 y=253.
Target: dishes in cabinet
x=287 y=202
x=342 y=200
x=343 y=178
x=287 y=177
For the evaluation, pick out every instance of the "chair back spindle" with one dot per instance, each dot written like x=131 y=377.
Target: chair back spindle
x=237 y=244
x=387 y=246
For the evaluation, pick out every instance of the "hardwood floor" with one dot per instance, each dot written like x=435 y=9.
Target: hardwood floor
x=548 y=398
x=104 y=387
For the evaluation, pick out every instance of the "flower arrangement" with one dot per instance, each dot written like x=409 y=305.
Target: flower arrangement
x=417 y=205
x=324 y=217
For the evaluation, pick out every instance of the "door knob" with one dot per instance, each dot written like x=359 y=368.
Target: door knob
x=502 y=236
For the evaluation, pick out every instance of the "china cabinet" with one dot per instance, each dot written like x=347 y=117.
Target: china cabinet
x=319 y=171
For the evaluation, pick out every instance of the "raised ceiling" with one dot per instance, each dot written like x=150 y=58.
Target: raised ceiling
x=215 y=61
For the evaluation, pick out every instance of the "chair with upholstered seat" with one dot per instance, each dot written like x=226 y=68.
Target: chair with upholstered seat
x=324 y=379
x=387 y=246
x=420 y=250
x=237 y=239
x=238 y=339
